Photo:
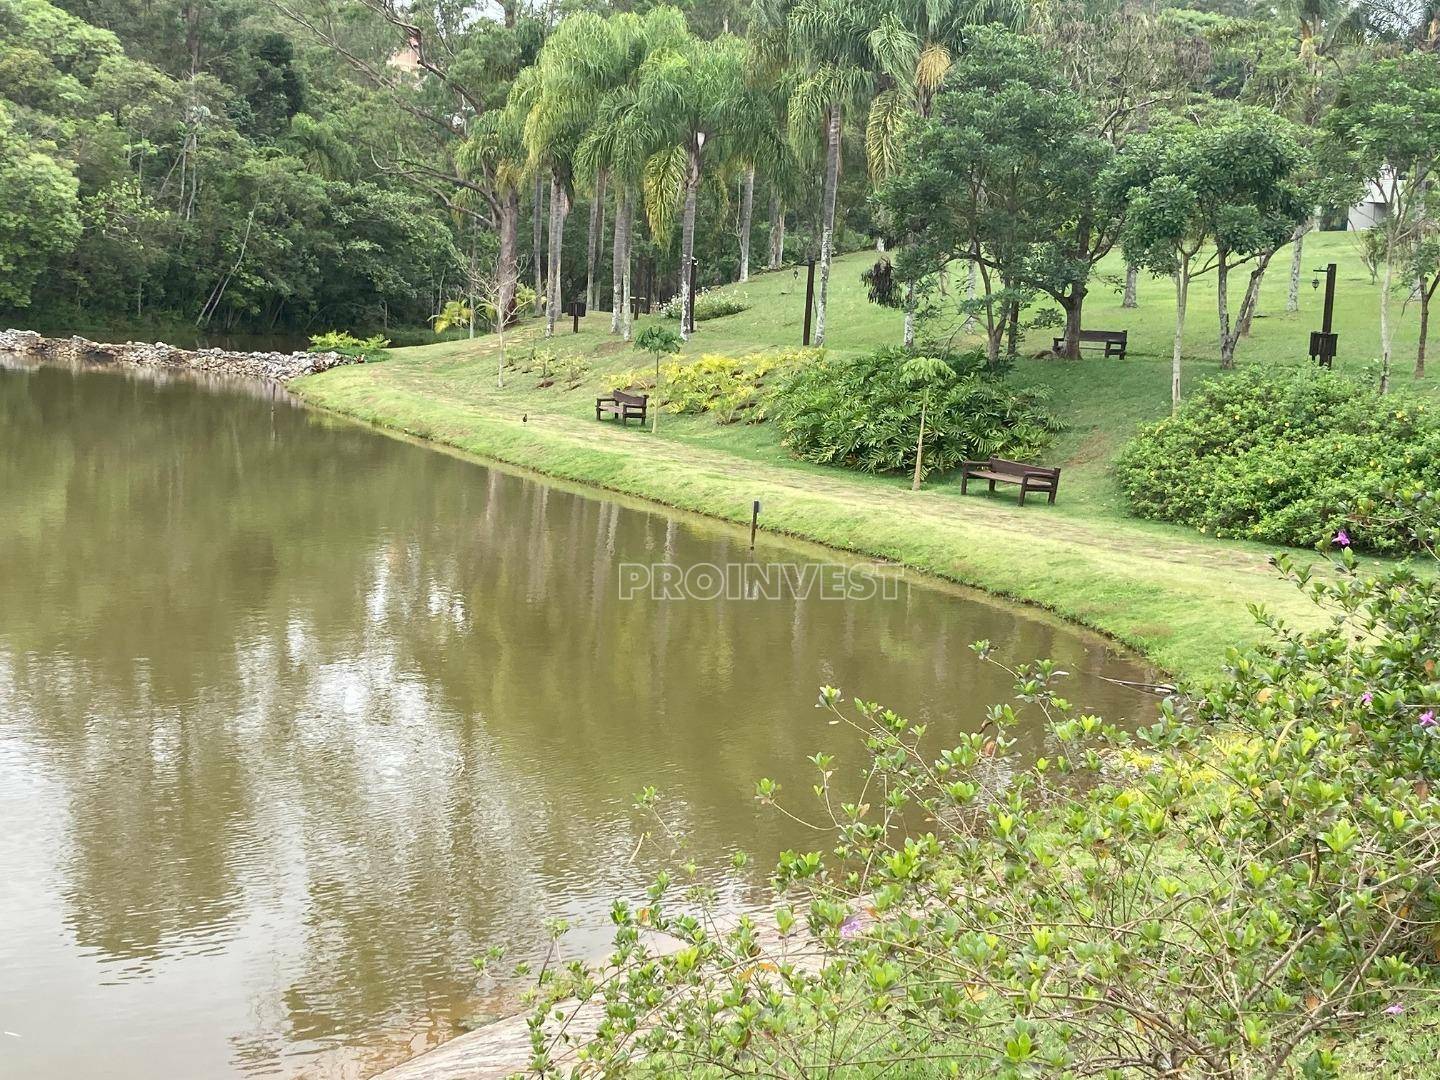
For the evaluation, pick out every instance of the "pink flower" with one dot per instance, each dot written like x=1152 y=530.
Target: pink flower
x=850 y=927
x=1395 y=1009
x=1427 y=718
x=1342 y=538
x=1366 y=698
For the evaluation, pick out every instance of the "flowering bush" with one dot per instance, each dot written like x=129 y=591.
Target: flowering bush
x=1217 y=894
x=1282 y=457
x=863 y=412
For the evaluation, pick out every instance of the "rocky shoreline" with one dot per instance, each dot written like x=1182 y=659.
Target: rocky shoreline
x=272 y=367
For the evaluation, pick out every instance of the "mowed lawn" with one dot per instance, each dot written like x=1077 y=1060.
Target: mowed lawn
x=1176 y=595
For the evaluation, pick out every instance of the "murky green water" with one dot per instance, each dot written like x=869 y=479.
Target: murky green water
x=296 y=718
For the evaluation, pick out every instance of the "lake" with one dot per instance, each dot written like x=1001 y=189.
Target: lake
x=296 y=718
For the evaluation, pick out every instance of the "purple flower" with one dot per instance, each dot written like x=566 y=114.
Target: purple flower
x=1427 y=718
x=1395 y=1010
x=850 y=927
x=1366 y=698
x=1342 y=538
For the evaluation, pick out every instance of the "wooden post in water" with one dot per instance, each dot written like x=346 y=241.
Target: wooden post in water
x=754 y=522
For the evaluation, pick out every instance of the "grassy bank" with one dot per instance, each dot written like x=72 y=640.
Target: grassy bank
x=1177 y=596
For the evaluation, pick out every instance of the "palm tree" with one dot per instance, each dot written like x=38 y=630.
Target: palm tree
x=829 y=43
x=621 y=138
x=913 y=44
x=698 y=106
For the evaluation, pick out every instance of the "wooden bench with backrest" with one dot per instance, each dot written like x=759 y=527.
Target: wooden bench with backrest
x=1113 y=341
x=1035 y=478
x=622 y=405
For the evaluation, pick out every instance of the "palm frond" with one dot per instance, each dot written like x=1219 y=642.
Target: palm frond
x=664 y=185
x=890 y=112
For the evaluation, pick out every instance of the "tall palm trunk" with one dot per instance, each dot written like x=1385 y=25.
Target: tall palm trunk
x=617 y=263
x=509 y=258
x=747 y=209
x=777 y=229
x=827 y=220
x=910 y=315
x=627 y=315
x=538 y=239
x=596 y=237
x=687 y=241
x=559 y=207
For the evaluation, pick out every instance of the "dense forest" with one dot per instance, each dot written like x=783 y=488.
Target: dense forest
x=307 y=165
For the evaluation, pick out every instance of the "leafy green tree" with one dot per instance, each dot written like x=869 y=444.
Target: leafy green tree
x=1203 y=199
x=1006 y=175
x=1372 y=133
x=1425 y=270
x=39 y=214
x=659 y=342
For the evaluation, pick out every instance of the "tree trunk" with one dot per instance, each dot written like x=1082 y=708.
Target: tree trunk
x=1425 y=295
x=617 y=267
x=827 y=222
x=687 y=238
x=1386 y=283
x=627 y=317
x=919 y=451
x=190 y=15
x=1012 y=336
x=910 y=316
x=558 y=210
x=747 y=209
x=970 y=292
x=994 y=327
x=777 y=229
x=537 y=247
x=1132 y=274
x=1182 y=294
x=1292 y=298
x=509 y=248
x=1074 y=306
x=1250 y=302
x=596 y=237
x=1222 y=290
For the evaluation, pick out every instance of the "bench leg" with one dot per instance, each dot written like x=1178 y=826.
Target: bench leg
x=1023 y=490
x=964 y=482
x=1052 y=494
x=992 y=487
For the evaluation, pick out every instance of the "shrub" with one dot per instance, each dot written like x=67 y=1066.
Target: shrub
x=366 y=349
x=1218 y=895
x=1281 y=457
x=709 y=304
x=864 y=413
x=725 y=386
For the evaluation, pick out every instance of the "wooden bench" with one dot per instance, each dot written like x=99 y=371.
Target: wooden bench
x=1000 y=470
x=1113 y=341
x=622 y=405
